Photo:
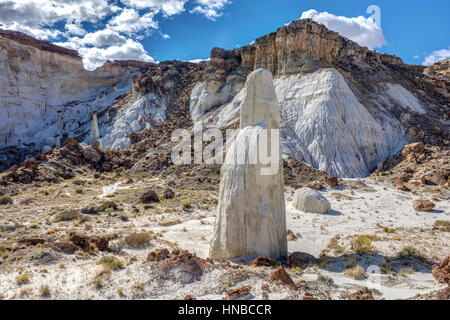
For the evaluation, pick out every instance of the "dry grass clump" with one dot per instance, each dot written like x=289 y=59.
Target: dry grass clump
x=68 y=215
x=357 y=273
x=170 y=222
x=443 y=225
x=111 y=263
x=186 y=203
x=362 y=244
x=44 y=291
x=138 y=239
x=23 y=279
x=410 y=251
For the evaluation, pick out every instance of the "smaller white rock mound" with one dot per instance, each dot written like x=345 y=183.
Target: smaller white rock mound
x=311 y=201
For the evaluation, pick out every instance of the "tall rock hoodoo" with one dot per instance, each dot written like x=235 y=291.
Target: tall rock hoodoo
x=251 y=217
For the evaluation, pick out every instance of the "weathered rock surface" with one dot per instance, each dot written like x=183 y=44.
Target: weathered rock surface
x=441 y=271
x=423 y=205
x=310 y=201
x=251 y=214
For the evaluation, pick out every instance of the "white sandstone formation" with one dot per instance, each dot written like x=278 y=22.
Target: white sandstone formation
x=325 y=125
x=251 y=215
x=57 y=141
x=310 y=201
x=95 y=133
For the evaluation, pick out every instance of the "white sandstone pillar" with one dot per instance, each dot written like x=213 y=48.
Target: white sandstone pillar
x=59 y=121
x=251 y=214
x=95 y=133
x=57 y=141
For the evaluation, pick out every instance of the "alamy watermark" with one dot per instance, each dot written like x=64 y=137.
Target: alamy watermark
x=248 y=146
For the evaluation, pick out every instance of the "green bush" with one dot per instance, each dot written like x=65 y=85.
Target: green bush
x=6 y=199
x=68 y=215
x=409 y=251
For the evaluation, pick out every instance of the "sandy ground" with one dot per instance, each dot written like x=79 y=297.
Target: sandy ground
x=360 y=207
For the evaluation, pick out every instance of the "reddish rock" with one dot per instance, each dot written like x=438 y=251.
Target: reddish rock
x=363 y=294
x=423 y=205
x=309 y=296
x=444 y=294
x=417 y=147
x=290 y=235
x=149 y=197
x=330 y=181
x=32 y=241
x=300 y=260
x=264 y=262
x=189 y=297
x=441 y=271
x=315 y=185
x=66 y=247
x=81 y=241
x=100 y=243
x=184 y=268
x=282 y=276
x=400 y=185
x=239 y=293
x=158 y=255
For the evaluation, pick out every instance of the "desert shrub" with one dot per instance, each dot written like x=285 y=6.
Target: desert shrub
x=68 y=215
x=138 y=239
x=44 y=291
x=57 y=173
x=111 y=263
x=186 y=203
x=6 y=199
x=357 y=273
x=443 y=225
x=362 y=244
x=23 y=279
x=409 y=251
x=107 y=205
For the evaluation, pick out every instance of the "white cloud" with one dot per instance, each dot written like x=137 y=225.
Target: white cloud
x=168 y=7
x=436 y=56
x=130 y=50
x=130 y=21
x=362 y=30
x=75 y=29
x=115 y=26
x=211 y=9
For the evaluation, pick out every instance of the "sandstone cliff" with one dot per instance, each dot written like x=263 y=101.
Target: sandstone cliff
x=344 y=108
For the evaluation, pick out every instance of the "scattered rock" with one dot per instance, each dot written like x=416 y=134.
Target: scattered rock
x=311 y=201
x=169 y=194
x=264 y=262
x=239 y=294
x=315 y=185
x=282 y=276
x=444 y=294
x=330 y=181
x=417 y=147
x=441 y=271
x=31 y=241
x=189 y=297
x=100 y=243
x=400 y=185
x=423 y=205
x=149 y=197
x=184 y=268
x=363 y=294
x=91 y=155
x=65 y=247
x=158 y=255
x=309 y=296
x=291 y=235
x=300 y=259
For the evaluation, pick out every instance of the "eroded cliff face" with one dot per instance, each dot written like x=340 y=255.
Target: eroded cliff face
x=37 y=79
x=345 y=109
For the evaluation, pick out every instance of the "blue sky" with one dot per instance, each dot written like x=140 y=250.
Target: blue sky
x=157 y=30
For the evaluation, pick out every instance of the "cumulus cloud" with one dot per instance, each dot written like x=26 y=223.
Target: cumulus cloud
x=130 y=50
x=168 y=7
x=115 y=26
x=436 y=56
x=362 y=30
x=211 y=9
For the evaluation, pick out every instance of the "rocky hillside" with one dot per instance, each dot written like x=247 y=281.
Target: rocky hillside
x=344 y=108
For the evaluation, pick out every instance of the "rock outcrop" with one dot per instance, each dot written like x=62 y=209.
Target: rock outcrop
x=311 y=201
x=251 y=215
x=344 y=108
